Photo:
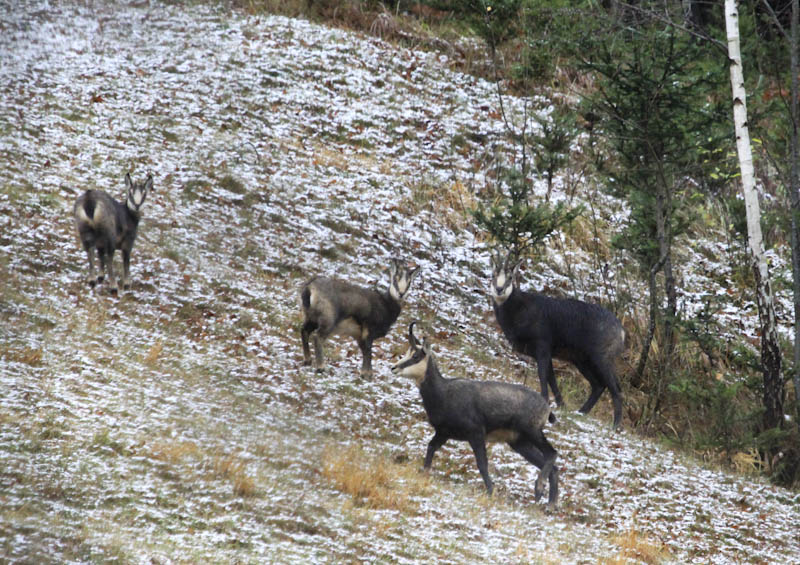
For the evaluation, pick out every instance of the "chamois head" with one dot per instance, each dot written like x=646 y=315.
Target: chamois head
x=504 y=277
x=401 y=278
x=137 y=192
x=415 y=361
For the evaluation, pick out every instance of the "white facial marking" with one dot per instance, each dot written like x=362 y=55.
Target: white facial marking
x=402 y=284
x=502 y=296
x=417 y=370
x=409 y=353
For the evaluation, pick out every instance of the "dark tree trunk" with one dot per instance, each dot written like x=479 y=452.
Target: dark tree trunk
x=770 y=358
x=638 y=375
x=794 y=199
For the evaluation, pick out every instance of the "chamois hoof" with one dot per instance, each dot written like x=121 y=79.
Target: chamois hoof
x=365 y=374
x=92 y=283
x=113 y=290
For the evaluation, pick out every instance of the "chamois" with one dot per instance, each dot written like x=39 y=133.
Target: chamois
x=333 y=306
x=481 y=411
x=106 y=225
x=587 y=335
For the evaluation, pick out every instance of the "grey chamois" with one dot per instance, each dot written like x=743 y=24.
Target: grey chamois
x=332 y=306
x=105 y=225
x=586 y=335
x=481 y=411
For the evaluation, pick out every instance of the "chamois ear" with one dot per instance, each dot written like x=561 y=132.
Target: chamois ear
x=427 y=346
x=412 y=274
x=128 y=182
x=148 y=185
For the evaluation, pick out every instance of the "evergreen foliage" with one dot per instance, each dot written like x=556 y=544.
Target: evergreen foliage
x=514 y=222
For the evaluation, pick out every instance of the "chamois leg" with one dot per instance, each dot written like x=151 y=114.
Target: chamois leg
x=366 y=352
x=478 y=445
x=324 y=329
x=112 y=281
x=101 y=257
x=437 y=441
x=126 y=269
x=609 y=377
x=589 y=371
x=308 y=327
x=319 y=355
x=87 y=246
x=106 y=254
x=597 y=390
x=543 y=457
x=547 y=376
x=551 y=379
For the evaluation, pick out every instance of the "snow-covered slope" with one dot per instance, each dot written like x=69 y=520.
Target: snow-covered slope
x=175 y=424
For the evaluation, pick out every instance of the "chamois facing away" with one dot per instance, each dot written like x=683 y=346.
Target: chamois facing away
x=481 y=411
x=332 y=306
x=587 y=335
x=106 y=225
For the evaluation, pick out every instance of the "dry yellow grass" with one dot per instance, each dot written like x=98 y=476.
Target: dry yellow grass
x=451 y=203
x=173 y=452
x=748 y=462
x=28 y=355
x=153 y=353
x=373 y=481
x=234 y=470
x=637 y=547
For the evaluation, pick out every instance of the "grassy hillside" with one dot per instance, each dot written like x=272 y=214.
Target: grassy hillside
x=174 y=424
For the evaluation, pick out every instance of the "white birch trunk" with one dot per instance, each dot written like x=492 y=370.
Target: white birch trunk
x=770 y=350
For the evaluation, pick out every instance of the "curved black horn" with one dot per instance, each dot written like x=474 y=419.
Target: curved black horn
x=411 y=338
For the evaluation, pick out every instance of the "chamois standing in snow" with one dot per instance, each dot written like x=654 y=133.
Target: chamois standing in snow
x=106 y=225
x=332 y=306
x=481 y=411
x=587 y=335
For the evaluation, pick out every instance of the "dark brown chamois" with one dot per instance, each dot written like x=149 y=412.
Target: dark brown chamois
x=105 y=225
x=587 y=335
x=332 y=306
x=481 y=411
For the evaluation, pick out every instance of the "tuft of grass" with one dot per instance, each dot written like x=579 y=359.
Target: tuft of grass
x=234 y=470
x=27 y=355
x=154 y=353
x=748 y=462
x=637 y=547
x=195 y=189
x=173 y=452
x=373 y=481
x=232 y=184
x=449 y=203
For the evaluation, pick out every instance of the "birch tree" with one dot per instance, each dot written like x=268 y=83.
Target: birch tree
x=793 y=179
x=770 y=350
